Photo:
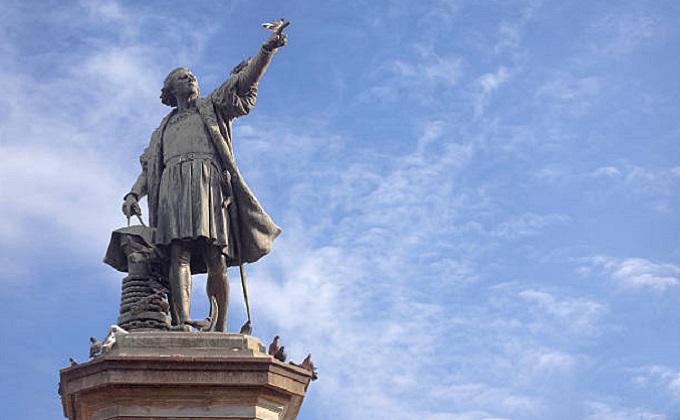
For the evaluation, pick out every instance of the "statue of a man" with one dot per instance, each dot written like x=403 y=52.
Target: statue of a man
x=204 y=214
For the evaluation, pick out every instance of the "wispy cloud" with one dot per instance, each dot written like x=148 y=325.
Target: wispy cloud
x=489 y=82
x=529 y=224
x=597 y=410
x=619 y=34
x=661 y=377
x=57 y=126
x=416 y=75
x=575 y=314
x=352 y=280
x=635 y=273
x=574 y=94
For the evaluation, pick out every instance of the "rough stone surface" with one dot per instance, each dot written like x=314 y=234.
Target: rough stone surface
x=172 y=375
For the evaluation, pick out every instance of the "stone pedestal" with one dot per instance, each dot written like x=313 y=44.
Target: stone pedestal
x=174 y=375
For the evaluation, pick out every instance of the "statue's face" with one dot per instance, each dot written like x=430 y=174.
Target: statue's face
x=184 y=84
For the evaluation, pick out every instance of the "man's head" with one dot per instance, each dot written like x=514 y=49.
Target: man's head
x=180 y=82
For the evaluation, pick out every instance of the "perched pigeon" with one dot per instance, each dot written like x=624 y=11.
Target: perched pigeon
x=274 y=346
x=73 y=361
x=247 y=328
x=281 y=354
x=273 y=26
x=110 y=338
x=309 y=365
x=95 y=347
x=116 y=329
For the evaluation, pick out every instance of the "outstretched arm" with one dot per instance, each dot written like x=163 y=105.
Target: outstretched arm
x=237 y=96
x=256 y=68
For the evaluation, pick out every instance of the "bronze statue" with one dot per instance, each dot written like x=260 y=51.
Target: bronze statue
x=205 y=216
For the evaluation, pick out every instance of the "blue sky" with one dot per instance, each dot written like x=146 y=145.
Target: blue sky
x=479 y=199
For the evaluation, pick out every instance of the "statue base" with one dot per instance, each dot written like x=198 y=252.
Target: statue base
x=178 y=375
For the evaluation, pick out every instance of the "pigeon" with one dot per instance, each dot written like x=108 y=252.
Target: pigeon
x=116 y=329
x=274 y=346
x=110 y=338
x=309 y=365
x=273 y=26
x=247 y=328
x=73 y=361
x=281 y=354
x=95 y=347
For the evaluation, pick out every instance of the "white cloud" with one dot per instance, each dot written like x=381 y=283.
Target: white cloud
x=60 y=140
x=621 y=34
x=528 y=224
x=636 y=273
x=510 y=36
x=343 y=279
x=55 y=196
x=597 y=410
x=575 y=314
x=656 y=188
x=109 y=10
x=123 y=73
x=554 y=361
x=492 y=81
x=574 y=93
x=608 y=171
x=351 y=278
x=663 y=377
x=417 y=76
x=495 y=399
x=489 y=82
x=510 y=31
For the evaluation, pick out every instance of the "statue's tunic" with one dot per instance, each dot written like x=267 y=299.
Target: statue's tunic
x=192 y=199
x=195 y=190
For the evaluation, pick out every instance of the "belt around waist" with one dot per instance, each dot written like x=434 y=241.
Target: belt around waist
x=172 y=160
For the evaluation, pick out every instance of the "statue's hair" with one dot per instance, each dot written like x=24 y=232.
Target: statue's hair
x=167 y=97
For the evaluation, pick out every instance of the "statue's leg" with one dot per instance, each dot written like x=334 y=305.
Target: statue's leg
x=179 y=278
x=174 y=314
x=218 y=284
